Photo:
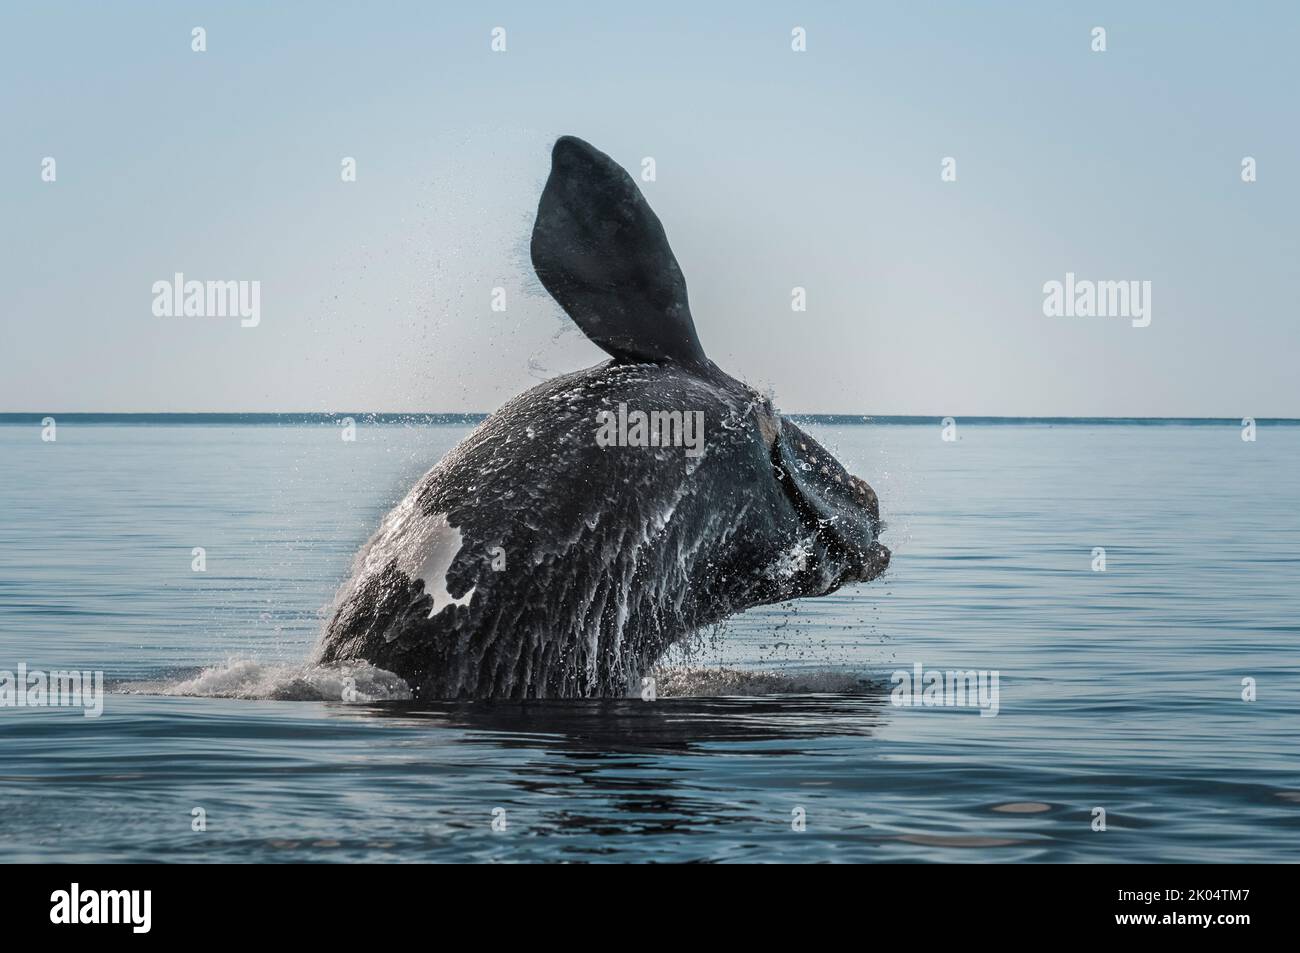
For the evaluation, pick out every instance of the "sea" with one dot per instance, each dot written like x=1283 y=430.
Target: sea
x=1125 y=592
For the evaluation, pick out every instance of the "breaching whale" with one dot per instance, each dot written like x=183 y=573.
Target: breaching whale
x=553 y=553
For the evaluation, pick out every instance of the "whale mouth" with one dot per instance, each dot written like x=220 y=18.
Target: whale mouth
x=850 y=558
x=841 y=510
x=872 y=564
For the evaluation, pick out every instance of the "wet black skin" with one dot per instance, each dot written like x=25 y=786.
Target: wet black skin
x=586 y=562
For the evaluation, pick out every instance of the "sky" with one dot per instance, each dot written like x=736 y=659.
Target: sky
x=775 y=169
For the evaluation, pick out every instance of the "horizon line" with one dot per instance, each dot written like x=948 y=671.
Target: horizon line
x=471 y=417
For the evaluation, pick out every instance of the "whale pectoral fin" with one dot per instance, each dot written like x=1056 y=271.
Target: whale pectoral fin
x=602 y=254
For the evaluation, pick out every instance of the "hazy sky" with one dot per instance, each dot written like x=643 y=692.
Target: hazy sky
x=775 y=169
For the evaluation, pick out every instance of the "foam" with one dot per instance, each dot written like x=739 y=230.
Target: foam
x=689 y=682
x=356 y=682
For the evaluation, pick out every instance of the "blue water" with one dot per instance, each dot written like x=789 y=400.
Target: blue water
x=1119 y=690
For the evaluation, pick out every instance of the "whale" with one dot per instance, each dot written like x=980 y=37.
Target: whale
x=605 y=515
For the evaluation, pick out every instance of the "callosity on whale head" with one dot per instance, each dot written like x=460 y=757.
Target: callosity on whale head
x=598 y=518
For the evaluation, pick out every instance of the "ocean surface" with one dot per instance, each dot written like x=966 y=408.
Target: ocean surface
x=777 y=738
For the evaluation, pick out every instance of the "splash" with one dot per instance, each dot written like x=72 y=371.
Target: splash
x=248 y=679
x=361 y=682
x=690 y=682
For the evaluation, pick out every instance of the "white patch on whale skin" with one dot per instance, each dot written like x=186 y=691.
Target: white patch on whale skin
x=422 y=545
x=443 y=547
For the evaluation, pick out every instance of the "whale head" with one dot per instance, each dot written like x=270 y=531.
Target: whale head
x=840 y=511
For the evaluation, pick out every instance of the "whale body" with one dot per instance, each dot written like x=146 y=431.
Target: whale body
x=600 y=517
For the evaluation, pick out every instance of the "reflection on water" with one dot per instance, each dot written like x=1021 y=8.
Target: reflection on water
x=618 y=727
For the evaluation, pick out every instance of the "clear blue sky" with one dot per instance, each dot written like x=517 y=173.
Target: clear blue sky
x=775 y=169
